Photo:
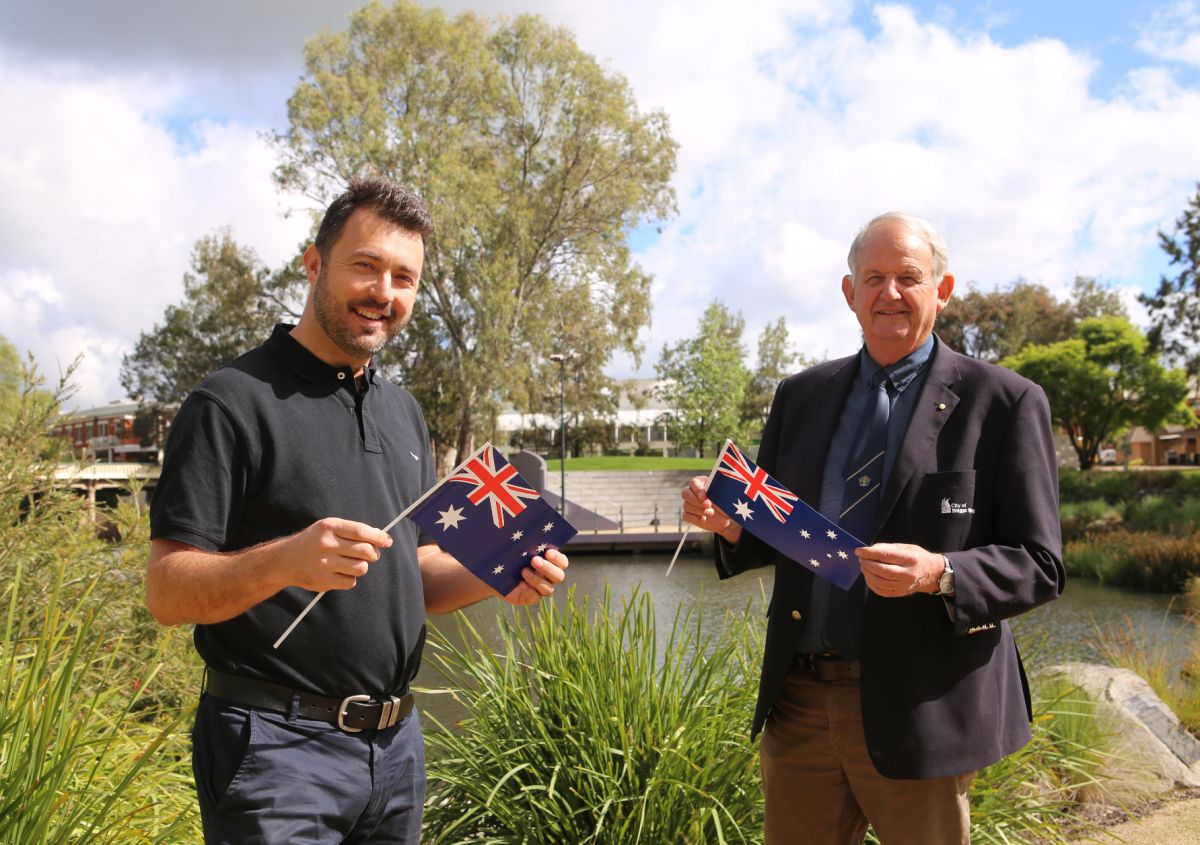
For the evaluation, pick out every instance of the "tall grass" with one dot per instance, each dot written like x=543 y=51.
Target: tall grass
x=1143 y=561
x=587 y=728
x=584 y=727
x=88 y=751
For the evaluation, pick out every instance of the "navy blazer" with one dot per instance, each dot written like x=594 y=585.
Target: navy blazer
x=976 y=478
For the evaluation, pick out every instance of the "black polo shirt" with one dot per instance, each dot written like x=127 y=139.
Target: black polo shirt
x=264 y=447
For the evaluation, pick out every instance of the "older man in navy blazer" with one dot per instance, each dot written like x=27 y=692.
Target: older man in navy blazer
x=878 y=704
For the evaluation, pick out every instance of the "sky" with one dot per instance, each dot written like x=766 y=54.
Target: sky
x=1044 y=140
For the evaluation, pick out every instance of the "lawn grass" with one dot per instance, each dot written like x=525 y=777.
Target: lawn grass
x=630 y=463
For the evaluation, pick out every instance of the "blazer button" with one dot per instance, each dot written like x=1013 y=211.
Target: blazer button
x=796 y=615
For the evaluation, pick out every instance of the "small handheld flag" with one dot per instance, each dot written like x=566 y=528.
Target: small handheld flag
x=487 y=516
x=778 y=517
x=494 y=542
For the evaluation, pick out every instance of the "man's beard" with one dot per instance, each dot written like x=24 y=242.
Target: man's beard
x=333 y=319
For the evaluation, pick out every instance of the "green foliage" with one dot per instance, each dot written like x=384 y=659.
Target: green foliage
x=535 y=163
x=630 y=463
x=1078 y=518
x=88 y=749
x=776 y=361
x=1029 y=796
x=587 y=728
x=1133 y=559
x=1175 y=306
x=707 y=380
x=223 y=315
x=1122 y=646
x=1001 y=323
x=1103 y=381
x=1117 y=488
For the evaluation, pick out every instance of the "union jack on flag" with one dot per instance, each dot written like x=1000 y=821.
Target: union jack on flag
x=487 y=516
x=759 y=485
x=501 y=488
x=797 y=531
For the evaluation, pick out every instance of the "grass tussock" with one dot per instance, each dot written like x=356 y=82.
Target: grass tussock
x=90 y=750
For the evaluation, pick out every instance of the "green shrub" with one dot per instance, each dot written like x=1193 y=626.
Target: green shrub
x=1032 y=795
x=585 y=728
x=1088 y=516
x=86 y=755
x=1178 y=687
x=1164 y=514
x=1130 y=559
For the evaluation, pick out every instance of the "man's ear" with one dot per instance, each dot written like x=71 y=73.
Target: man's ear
x=945 y=288
x=312 y=264
x=848 y=290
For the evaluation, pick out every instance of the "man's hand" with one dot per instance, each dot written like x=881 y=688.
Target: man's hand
x=186 y=584
x=541 y=577
x=698 y=510
x=900 y=569
x=332 y=554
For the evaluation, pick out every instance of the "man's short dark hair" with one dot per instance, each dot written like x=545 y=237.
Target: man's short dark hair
x=391 y=200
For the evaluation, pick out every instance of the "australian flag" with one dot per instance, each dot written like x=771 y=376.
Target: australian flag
x=487 y=516
x=777 y=516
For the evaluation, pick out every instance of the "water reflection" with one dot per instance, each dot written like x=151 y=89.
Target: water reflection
x=1063 y=630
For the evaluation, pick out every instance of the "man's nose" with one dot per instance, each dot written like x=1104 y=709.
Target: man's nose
x=891 y=288
x=381 y=287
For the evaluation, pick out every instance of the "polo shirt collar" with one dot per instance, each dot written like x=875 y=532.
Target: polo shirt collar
x=303 y=363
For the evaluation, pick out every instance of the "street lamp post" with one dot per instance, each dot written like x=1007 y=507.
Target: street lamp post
x=562 y=358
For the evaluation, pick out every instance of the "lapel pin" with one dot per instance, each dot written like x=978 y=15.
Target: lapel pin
x=941 y=406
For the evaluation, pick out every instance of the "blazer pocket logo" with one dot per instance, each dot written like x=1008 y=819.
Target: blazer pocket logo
x=956 y=507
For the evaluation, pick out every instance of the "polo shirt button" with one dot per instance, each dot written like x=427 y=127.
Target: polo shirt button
x=341 y=375
x=796 y=615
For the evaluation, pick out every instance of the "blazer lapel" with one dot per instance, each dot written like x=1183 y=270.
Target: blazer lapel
x=934 y=406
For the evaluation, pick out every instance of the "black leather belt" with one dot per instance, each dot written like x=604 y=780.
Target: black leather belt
x=352 y=713
x=828 y=666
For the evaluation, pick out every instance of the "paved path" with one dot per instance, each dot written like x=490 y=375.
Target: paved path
x=1173 y=823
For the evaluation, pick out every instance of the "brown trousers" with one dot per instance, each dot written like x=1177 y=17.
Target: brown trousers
x=822 y=788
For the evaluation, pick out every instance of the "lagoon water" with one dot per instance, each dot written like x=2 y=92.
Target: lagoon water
x=1066 y=629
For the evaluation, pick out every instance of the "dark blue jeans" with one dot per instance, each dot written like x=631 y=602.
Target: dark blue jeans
x=263 y=777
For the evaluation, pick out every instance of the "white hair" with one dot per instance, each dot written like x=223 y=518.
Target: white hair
x=920 y=227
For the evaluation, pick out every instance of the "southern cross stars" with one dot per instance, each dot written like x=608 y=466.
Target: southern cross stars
x=547 y=527
x=542 y=548
x=814 y=561
x=451 y=518
x=743 y=509
x=517 y=535
x=497 y=570
x=831 y=534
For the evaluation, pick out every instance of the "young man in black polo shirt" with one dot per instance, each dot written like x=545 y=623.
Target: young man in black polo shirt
x=278 y=467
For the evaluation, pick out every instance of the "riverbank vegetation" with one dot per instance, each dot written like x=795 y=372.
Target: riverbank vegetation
x=587 y=725
x=1137 y=529
x=91 y=749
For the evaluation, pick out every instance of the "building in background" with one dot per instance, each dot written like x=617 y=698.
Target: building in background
x=119 y=432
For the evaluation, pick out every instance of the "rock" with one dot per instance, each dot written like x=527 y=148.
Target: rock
x=1160 y=753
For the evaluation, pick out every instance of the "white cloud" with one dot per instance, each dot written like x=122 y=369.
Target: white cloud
x=102 y=207
x=795 y=126
x=1005 y=148
x=1173 y=33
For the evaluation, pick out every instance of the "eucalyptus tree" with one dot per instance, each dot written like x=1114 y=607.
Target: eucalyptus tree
x=535 y=162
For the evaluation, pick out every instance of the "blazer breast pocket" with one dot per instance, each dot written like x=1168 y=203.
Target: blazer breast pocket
x=946 y=506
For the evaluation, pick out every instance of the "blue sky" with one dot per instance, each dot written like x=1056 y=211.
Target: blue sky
x=1043 y=139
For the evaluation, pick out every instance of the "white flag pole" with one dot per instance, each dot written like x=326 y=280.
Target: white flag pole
x=385 y=530
x=687 y=529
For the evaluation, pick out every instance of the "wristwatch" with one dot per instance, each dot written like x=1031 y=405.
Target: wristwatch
x=946 y=582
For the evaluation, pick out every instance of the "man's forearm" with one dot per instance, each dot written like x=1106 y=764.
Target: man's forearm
x=448 y=584
x=185 y=584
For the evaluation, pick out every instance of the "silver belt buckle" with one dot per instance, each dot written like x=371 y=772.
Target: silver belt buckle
x=344 y=707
